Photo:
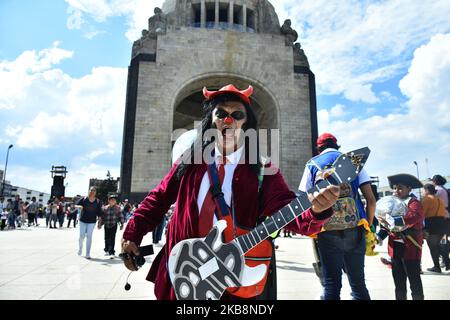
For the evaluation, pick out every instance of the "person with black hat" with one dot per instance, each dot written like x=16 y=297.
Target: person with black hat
x=228 y=117
x=112 y=215
x=405 y=247
x=341 y=244
x=444 y=194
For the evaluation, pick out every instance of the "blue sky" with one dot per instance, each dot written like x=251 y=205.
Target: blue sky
x=382 y=81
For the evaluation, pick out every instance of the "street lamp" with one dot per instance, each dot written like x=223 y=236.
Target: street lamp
x=6 y=166
x=417 y=168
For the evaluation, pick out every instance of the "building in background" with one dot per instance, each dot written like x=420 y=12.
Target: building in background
x=26 y=195
x=192 y=44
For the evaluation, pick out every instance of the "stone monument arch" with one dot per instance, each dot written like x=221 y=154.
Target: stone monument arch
x=195 y=43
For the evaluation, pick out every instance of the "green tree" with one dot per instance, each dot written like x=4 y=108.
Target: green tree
x=106 y=187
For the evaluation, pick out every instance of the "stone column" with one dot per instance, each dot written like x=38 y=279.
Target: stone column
x=216 y=16
x=244 y=17
x=231 y=13
x=203 y=14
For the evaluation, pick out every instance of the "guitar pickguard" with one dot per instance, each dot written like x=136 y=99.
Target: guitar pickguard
x=203 y=269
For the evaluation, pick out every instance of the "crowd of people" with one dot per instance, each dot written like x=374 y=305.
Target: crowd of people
x=340 y=220
x=17 y=213
x=192 y=198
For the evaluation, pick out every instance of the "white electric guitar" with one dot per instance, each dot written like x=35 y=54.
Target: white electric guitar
x=204 y=268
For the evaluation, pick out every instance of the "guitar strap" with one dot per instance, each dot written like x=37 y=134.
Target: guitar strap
x=216 y=190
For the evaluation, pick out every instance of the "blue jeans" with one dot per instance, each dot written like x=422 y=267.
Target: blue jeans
x=338 y=250
x=11 y=220
x=86 y=230
x=158 y=232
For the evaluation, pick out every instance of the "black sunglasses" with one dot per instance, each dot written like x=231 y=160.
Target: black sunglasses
x=236 y=115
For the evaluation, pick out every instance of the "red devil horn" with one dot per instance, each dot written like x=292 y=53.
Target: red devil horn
x=206 y=93
x=248 y=92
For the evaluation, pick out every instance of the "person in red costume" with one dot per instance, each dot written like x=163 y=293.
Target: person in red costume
x=405 y=247
x=229 y=113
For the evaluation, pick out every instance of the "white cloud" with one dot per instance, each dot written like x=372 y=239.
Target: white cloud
x=92 y=34
x=423 y=131
x=136 y=13
x=72 y=120
x=17 y=76
x=360 y=92
x=386 y=95
x=353 y=44
x=75 y=20
x=337 y=111
x=91 y=107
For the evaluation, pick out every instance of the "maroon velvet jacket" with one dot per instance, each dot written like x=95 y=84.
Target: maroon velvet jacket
x=274 y=195
x=413 y=218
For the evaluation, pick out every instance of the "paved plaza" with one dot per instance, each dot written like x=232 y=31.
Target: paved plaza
x=39 y=263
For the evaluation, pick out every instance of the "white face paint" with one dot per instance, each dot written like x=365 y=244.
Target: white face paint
x=229 y=128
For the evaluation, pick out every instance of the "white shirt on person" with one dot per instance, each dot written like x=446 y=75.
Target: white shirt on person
x=232 y=162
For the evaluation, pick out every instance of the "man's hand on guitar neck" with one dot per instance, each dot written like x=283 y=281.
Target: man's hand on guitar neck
x=323 y=200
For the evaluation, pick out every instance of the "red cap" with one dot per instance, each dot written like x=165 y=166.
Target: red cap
x=324 y=137
x=244 y=94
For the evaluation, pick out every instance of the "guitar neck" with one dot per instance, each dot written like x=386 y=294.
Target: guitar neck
x=345 y=169
x=274 y=223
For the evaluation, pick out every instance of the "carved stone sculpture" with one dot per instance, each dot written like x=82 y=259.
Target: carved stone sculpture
x=290 y=34
x=300 y=58
x=157 y=24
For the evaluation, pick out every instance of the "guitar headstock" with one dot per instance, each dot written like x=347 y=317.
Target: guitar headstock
x=348 y=165
x=359 y=157
x=344 y=169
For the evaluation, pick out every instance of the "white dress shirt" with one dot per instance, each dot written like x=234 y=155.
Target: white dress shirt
x=230 y=166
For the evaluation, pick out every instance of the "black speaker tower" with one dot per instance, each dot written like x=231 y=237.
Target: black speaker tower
x=58 y=175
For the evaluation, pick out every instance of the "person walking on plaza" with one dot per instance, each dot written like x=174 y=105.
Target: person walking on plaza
x=91 y=209
x=112 y=215
x=32 y=210
x=48 y=214
x=60 y=211
x=24 y=212
x=126 y=209
x=72 y=215
x=442 y=193
x=16 y=210
x=434 y=212
x=11 y=215
x=3 y=213
x=405 y=247
x=54 y=206
x=341 y=243
x=228 y=115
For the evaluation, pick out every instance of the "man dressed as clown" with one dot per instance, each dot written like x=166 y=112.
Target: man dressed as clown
x=228 y=114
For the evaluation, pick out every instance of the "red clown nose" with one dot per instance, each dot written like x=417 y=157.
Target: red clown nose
x=228 y=120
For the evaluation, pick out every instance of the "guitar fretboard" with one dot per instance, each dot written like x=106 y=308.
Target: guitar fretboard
x=274 y=223
x=345 y=171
